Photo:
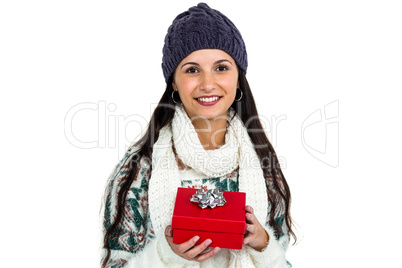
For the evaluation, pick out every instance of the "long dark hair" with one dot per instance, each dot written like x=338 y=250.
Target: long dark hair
x=277 y=187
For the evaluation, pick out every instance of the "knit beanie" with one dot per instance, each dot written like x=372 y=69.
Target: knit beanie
x=201 y=27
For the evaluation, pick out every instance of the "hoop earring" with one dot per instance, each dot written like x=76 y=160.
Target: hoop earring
x=241 y=95
x=175 y=102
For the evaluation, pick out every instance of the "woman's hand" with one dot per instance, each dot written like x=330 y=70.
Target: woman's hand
x=188 y=251
x=256 y=236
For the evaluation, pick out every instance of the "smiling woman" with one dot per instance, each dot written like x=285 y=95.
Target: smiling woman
x=206 y=81
x=205 y=132
x=206 y=77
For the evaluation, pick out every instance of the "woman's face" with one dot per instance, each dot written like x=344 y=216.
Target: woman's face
x=206 y=80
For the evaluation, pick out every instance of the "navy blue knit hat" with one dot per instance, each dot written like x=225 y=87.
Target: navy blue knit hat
x=201 y=27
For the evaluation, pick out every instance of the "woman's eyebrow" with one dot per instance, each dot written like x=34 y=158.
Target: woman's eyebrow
x=223 y=60
x=191 y=63
x=196 y=64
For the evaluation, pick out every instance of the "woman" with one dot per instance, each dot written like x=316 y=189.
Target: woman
x=205 y=132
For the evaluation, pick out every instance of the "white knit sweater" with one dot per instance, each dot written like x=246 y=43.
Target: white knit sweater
x=165 y=179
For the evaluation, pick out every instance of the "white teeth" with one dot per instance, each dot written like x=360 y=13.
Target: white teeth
x=208 y=99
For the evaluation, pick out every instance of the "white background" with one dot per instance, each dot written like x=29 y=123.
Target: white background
x=303 y=55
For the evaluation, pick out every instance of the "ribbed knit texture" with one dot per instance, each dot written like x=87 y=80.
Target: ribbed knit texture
x=165 y=174
x=212 y=163
x=201 y=27
x=141 y=240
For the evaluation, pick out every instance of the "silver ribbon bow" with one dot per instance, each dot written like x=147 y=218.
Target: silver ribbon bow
x=208 y=198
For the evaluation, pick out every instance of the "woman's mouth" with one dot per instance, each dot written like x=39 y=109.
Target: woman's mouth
x=208 y=101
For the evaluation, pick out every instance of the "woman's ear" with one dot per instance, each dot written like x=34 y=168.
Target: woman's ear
x=238 y=77
x=174 y=86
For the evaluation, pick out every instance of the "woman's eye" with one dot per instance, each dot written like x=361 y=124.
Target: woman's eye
x=191 y=70
x=221 y=68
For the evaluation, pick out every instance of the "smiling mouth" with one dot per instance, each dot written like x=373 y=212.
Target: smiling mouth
x=210 y=99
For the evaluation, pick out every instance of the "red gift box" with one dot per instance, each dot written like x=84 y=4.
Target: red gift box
x=224 y=225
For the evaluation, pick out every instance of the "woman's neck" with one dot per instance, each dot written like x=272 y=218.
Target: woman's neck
x=211 y=132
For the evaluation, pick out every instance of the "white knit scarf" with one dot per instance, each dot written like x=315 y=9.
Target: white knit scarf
x=237 y=151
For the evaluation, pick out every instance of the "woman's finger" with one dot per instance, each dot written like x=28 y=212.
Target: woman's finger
x=246 y=240
x=197 y=250
x=168 y=231
x=250 y=228
x=250 y=218
x=207 y=255
x=184 y=247
x=249 y=209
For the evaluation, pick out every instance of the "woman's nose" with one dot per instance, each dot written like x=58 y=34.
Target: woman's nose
x=207 y=81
